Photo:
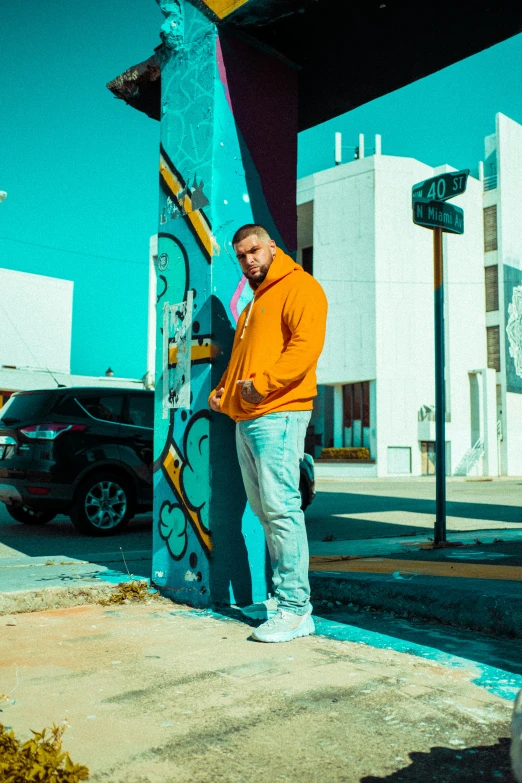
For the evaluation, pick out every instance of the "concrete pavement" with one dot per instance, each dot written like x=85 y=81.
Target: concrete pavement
x=155 y=693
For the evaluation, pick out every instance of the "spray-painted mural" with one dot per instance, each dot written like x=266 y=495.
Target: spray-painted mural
x=513 y=316
x=220 y=166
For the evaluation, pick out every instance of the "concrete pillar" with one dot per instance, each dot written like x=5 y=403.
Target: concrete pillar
x=151 y=325
x=373 y=419
x=338 y=156
x=338 y=416
x=378 y=144
x=489 y=420
x=361 y=145
x=228 y=157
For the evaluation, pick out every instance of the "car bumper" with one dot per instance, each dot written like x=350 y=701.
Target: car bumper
x=14 y=492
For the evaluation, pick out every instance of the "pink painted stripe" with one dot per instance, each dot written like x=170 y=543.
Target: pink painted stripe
x=223 y=73
x=235 y=299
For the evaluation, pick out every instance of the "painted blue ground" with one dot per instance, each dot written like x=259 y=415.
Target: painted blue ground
x=498 y=681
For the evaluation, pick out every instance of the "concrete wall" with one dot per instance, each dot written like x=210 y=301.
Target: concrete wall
x=343 y=240
x=404 y=310
x=514 y=434
x=35 y=321
x=465 y=322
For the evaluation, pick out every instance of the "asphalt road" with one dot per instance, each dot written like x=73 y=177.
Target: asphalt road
x=346 y=509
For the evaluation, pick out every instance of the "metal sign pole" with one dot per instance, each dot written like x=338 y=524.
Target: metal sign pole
x=431 y=211
x=440 y=391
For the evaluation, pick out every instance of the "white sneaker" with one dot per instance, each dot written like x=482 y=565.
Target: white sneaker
x=285 y=626
x=263 y=610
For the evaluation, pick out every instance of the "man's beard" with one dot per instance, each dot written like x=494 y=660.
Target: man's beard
x=258 y=279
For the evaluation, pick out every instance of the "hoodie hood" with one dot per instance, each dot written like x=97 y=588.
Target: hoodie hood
x=281 y=266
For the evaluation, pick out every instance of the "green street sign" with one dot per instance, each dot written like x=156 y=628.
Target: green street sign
x=440 y=188
x=437 y=214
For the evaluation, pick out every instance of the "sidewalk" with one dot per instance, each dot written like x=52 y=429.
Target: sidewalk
x=32 y=584
x=476 y=582
x=162 y=693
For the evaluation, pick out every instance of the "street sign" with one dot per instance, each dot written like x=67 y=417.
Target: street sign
x=440 y=188
x=437 y=214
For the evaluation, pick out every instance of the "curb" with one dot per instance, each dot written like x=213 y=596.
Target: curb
x=494 y=608
x=53 y=598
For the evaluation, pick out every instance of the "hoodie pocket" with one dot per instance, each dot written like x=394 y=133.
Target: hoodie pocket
x=249 y=407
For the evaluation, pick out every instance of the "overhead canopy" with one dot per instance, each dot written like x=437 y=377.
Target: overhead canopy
x=348 y=52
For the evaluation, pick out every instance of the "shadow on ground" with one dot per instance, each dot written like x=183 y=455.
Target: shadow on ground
x=59 y=539
x=323 y=515
x=448 y=765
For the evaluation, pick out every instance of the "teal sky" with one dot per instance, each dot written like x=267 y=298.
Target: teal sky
x=80 y=167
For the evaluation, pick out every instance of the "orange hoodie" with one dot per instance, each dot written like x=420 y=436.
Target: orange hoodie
x=279 y=338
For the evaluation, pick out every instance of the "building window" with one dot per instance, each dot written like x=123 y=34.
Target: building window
x=490 y=228
x=356 y=414
x=308 y=259
x=491 y=277
x=493 y=347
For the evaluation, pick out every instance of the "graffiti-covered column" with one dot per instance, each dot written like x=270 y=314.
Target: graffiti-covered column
x=228 y=157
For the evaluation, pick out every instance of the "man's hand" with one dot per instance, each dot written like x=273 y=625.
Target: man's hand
x=249 y=392
x=215 y=400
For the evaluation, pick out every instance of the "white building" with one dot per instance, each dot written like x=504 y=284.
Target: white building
x=35 y=335
x=503 y=271
x=35 y=320
x=376 y=373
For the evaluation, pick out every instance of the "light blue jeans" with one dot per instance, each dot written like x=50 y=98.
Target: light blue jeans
x=269 y=449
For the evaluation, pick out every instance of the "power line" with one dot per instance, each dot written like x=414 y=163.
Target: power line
x=74 y=252
x=142 y=263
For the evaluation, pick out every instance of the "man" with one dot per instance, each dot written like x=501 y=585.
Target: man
x=268 y=389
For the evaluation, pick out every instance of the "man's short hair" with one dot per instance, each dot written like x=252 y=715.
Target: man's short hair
x=247 y=230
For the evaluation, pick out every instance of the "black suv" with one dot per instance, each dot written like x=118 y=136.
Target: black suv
x=86 y=452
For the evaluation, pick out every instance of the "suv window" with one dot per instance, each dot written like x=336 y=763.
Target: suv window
x=69 y=407
x=22 y=407
x=140 y=410
x=104 y=408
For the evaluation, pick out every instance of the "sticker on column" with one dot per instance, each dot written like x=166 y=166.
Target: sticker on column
x=177 y=337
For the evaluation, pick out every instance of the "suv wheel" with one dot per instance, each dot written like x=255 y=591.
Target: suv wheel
x=103 y=504
x=29 y=516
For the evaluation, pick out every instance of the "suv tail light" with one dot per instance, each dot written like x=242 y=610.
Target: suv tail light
x=50 y=431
